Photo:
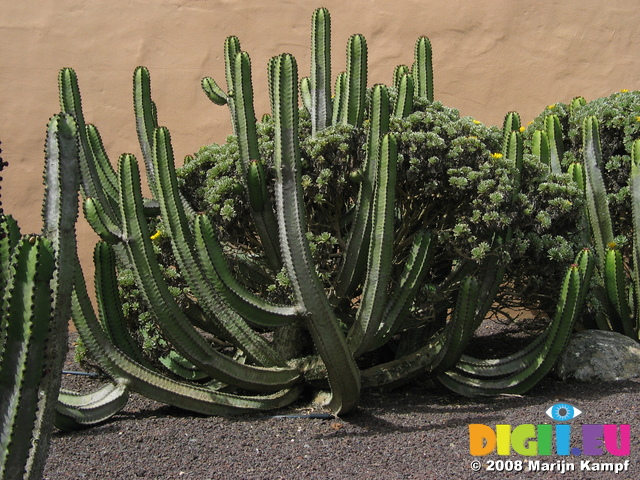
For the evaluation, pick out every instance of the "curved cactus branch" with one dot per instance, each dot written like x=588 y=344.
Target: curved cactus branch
x=157 y=386
x=556 y=147
x=380 y=262
x=519 y=372
x=343 y=374
x=174 y=324
x=357 y=251
x=75 y=410
x=27 y=311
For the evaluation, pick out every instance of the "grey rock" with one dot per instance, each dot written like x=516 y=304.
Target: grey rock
x=599 y=355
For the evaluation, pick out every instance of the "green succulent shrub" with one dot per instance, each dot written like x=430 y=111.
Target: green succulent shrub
x=452 y=179
x=618 y=116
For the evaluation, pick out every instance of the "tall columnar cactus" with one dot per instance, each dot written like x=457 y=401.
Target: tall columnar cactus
x=37 y=275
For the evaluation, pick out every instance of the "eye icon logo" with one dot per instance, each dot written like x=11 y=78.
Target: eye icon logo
x=562 y=412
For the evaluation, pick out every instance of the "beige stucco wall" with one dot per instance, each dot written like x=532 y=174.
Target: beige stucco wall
x=490 y=56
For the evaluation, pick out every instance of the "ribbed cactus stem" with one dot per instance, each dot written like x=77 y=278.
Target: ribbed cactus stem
x=634 y=192
x=355 y=257
x=596 y=194
x=27 y=311
x=422 y=69
x=514 y=150
x=343 y=374
x=353 y=113
x=320 y=79
x=540 y=146
x=576 y=103
x=519 y=372
x=404 y=101
x=398 y=73
x=556 y=146
x=380 y=261
x=511 y=123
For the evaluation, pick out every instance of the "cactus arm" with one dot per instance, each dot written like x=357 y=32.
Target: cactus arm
x=491 y=276
x=511 y=123
x=596 y=195
x=343 y=374
x=576 y=103
x=183 y=368
x=540 y=146
x=422 y=69
x=231 y=49
x=460 y=328
x=305 y=94
x=514 y=150
x=146 y=122
x=9 y=238
x=244 y=114
x=339 y=99
x=380 y=262
x=75 y=411
x=404 y=101
x=245 y=128
x=59 y=214
x=146 y=118
x=556 y=147
x=113 y=320
x=96 y=216
x=26 y=315
x=154 y=385
x=353 y=113
x=398 y=72
x=253 y=308
x=108 y=180
x=524 y=369
x=576 y=171
x=90 y=177
x=244 y=122
x=213 y=91
x=615 y=284
x=414 y=271
x=357 y=251
x=634 y=187
x=175 y=326
x=183 y=244
x=320 y=79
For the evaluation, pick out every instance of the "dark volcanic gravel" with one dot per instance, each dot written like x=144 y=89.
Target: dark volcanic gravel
x=415 y=432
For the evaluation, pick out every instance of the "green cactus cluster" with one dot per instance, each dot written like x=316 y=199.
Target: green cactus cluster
x=352 y=274
x=597 y=142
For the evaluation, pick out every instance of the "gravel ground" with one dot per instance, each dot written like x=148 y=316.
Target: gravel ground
x=415 y=432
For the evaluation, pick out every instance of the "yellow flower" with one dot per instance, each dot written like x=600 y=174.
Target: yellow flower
x=496 y=155
x=624 y=90
x=156 y=235
x=522 y=129
x=477 y=122
x=638 y=119
x=611 y=244
x=552 y=106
